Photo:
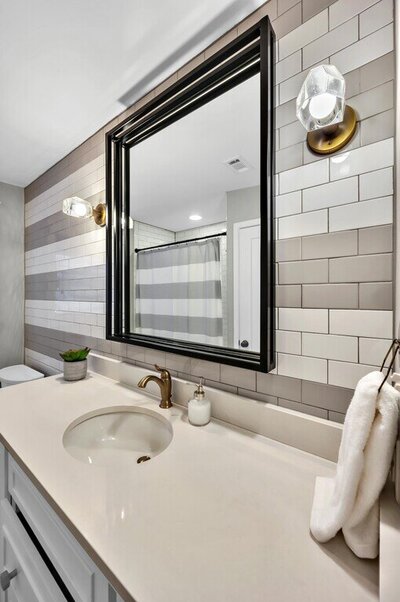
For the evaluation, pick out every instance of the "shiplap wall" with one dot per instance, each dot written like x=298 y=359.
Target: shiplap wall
x=333 y=224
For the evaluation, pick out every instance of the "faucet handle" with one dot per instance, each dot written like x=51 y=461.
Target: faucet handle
x=164 y=371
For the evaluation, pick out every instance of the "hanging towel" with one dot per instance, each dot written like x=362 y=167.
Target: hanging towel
x=349 y=501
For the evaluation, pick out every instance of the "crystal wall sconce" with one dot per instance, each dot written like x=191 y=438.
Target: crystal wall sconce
x=77 y=207
x=321 y=109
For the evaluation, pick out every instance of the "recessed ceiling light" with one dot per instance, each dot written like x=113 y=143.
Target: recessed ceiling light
x=195 y=217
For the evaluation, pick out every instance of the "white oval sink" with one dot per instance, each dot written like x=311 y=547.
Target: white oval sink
x=118 y=435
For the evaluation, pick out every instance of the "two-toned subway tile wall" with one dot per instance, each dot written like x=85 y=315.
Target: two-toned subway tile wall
x=333 y=225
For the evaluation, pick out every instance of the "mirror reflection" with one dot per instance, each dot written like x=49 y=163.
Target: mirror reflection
x=195 y=229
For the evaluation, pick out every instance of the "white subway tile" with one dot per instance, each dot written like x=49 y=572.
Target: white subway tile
x=291 y=134
x=343 y=10
x=307 y=368
x=373 y=351
x=343 y=374
x=376 y=17
x=288 y=204
x=304 y=224
x=376 y=184
x=304 y=176
x=366 y=50
x=307 y=320
x=288 y=342
x=328 y=195
x=361 y=215
x=361 y=323
x=288 y=67
x=306 y=33
x=290 y=88
x=331 y=42
x=361 y=160
x=330 y=346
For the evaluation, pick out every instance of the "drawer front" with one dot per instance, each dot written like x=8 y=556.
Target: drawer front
x=33 y=582
x=81 y=576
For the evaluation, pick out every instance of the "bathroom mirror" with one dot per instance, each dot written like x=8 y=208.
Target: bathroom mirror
x=190 y=203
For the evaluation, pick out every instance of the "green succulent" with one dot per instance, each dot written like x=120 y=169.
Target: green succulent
x=75 y=355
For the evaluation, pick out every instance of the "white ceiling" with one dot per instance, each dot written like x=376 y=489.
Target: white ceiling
x=69 y=66
x=180 y=170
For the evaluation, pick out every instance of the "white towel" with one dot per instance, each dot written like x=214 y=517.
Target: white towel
x=349 y=501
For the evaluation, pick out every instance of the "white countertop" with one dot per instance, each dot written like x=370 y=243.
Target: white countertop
x=221 y=515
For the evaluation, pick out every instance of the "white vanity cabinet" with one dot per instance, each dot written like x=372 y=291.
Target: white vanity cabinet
x=38 y=554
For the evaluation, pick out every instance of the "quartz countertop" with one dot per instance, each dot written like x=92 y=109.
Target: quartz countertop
x=221 y=515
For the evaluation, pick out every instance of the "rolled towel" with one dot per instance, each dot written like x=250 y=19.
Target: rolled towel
x=349 y=501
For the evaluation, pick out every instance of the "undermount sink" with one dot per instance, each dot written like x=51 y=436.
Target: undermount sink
x=118 y=435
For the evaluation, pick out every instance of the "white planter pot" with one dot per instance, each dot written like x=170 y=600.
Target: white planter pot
x=75 y=370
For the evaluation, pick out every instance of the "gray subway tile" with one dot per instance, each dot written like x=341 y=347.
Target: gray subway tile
x=288 y=67
x=364 y=268
x=377 y=72
x=377 y=127
x=375 y=240
x=298 y=272
x=284 y=5
x=328 y=397
x=333 y=41
x=352 y=79
x=331 y=296
x=373 y=101
x=313 y=7
x=335 y=244
x=288 y=295
x=258 y=396
x=376 y=295
x=288 y=249
x=303 y=408
x=55 y=228
x=238 y=377
x=279 y=386
x=336 y=417
x=288 y=21
x=217 y=385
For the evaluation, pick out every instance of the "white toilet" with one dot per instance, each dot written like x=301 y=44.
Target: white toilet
x=14 y=375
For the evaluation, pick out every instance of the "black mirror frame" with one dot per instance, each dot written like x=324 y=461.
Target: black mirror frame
x=250 y=53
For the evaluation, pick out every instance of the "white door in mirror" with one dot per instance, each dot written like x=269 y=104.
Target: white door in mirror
x=246 y=258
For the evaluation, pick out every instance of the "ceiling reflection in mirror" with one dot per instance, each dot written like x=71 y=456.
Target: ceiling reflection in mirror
x=195 y=230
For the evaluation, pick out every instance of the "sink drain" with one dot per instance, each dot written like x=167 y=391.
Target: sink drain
x=143 y=459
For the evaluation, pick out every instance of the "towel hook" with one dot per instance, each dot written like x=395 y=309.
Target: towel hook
x=395 y=343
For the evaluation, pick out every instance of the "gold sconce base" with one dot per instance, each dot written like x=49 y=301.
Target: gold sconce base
x=99 y=214
x=332 y=138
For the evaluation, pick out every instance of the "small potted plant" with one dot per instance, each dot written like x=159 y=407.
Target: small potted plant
x=75 y=363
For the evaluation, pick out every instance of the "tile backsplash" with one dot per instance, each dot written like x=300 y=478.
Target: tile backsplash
x=333 y=226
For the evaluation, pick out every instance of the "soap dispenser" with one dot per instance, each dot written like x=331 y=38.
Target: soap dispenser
x=199 y=408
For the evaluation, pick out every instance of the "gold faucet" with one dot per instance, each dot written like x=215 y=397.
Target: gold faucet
x=164 y=383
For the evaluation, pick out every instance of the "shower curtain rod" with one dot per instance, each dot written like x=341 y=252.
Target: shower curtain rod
x=181 y=242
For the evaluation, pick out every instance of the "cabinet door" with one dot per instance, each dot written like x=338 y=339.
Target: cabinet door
x=33 y=581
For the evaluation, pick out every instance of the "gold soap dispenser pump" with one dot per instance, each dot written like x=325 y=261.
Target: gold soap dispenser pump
x=199 y=408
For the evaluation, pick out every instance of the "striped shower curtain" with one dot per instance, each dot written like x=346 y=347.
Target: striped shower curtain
x=178 y=292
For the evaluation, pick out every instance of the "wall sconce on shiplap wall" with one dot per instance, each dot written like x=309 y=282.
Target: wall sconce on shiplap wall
x=322 y=110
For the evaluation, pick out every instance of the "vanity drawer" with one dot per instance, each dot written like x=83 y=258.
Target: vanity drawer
x=33 y=581
x=80 y=575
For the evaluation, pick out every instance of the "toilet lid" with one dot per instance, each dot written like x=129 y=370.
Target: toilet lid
x=19 y=373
